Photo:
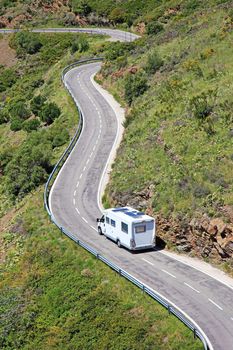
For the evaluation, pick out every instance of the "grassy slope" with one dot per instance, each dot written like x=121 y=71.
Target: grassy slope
x=53 y=294
x=164 y=145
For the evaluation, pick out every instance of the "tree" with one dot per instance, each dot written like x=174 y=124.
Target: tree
x=8 y=78
x=30 y=125
x=117 y=15
x=27 y=41
x=49 y=112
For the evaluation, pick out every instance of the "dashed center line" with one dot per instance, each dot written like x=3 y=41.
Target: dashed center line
x=74 y=201
x=84 y=168
x=231 y=318
x=81 y=176
x=77 y=184
x=77 y=210
x=84 y=219
x=148 y=261
x=75 y=193
x=168 y=273
x=94 y=228
x=188 y=285
x=219 y=307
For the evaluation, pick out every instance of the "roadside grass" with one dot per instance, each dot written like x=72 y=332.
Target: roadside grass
x=54 y=294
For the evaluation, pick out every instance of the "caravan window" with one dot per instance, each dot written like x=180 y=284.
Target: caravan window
x=113 y=223
x=140 y=229
x=107 y=220
x=124 y=227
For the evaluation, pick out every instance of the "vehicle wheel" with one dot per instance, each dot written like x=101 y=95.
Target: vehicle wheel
x=119 y=243
x=100 y=231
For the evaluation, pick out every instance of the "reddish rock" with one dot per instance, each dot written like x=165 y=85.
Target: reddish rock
x=219 y=224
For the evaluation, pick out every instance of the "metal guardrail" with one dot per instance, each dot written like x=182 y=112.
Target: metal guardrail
x=197 y=332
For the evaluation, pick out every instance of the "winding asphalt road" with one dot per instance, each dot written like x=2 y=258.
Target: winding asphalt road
x=74 y=204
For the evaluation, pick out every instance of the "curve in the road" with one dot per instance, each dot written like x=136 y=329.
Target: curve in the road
x=73 y=203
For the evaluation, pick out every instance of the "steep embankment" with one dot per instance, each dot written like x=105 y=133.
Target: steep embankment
x=176 y=157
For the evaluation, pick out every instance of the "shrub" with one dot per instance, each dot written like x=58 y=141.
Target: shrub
x=116 y=50
x=49 y=112
x=83 y=44
x=135 y=85
x=201 y=191
x=154 y=28
x=8 y=78
x=60 y=138
x=4 y=116
x=29 y=166
x=18 y=109
x=30 y=125
x=27 y=41
x=16 y=124
x=154 y=62
x=117 y=15
x=37 y=103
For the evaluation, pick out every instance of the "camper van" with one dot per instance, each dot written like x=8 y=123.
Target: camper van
x=128 y=227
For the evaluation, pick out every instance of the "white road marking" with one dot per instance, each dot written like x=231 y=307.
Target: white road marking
x=84 y=219
x=94 y=147
x=74 y=201
x=231 y=318
x=77 y=184
x=148 y=262
x=170 y=274
x=81 y=176
x=94 y=228
x=75 y=193
x=219 y=307
x=77 y=211
x=91 y=154
x=84 y=168
x=188 y=285
x=88 y=161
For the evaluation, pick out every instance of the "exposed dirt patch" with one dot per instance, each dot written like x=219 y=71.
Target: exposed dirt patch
x=7 y=56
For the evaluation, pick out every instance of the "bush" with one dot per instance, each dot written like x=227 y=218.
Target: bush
x=30 y=165
x=60 y=138
x=49 y=113
x=30 y=125
x=37 y=104
x=4 y=116
x=154 y=62
x=117 y=15
x=154 y=28
x=8 y=78
x=116 y=50
x=16 y=124
x=135 y=85
x=19 y=109
x=27 y=42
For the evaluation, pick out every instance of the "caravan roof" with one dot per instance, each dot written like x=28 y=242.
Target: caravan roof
x=129 y=214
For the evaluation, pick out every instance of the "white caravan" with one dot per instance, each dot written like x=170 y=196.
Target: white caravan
x=128 y=227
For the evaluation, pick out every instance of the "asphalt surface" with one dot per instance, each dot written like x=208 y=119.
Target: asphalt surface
x=73 y=202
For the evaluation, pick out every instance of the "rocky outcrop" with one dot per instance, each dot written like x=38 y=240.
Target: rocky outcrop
x=203 y=237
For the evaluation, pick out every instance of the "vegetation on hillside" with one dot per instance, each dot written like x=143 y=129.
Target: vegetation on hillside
x=53 y=294
x=176 y=157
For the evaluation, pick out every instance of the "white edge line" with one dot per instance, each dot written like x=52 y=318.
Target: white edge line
x=168 y=273
x=116 y=142
x=188 y=285
x=195 y=267
x=219 y=307
x=148 y=261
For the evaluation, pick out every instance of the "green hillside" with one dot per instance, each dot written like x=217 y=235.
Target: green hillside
x=176 y=157
x=53 y=295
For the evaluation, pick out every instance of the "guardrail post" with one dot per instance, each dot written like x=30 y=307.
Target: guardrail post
x=169 y=309
x=119 y=272
x=194 y=333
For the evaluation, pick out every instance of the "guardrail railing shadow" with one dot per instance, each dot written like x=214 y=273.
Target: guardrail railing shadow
x=197 y=332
